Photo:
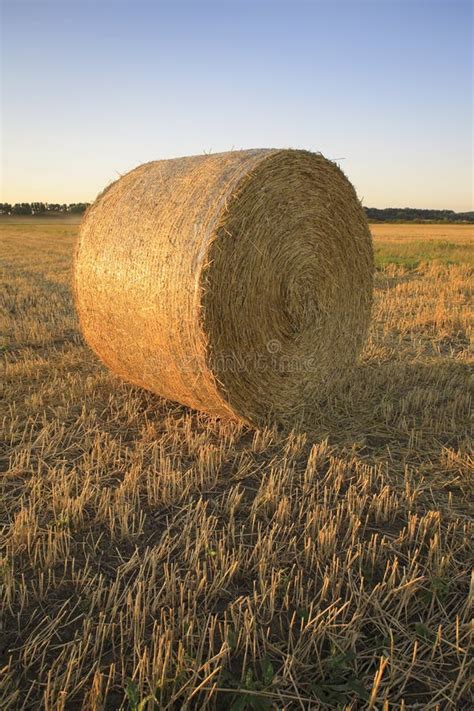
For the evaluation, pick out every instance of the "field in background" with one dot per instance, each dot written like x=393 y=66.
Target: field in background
x=407 y=245
x=410 y=245
x=153 y=555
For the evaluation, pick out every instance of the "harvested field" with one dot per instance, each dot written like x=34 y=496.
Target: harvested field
x=155 y=557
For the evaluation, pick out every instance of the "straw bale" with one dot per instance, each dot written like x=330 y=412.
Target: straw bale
x=238 y=283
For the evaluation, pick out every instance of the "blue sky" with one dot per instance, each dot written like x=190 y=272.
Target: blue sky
x=90 y=89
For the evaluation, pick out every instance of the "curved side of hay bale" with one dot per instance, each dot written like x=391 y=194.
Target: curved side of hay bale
x=140 y=254
x=237 y=283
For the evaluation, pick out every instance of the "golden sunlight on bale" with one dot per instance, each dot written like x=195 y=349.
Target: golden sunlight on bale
x=239 y=283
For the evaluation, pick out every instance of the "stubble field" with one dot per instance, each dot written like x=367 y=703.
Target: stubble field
x=155 y=558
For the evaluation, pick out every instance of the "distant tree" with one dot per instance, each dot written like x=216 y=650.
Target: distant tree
x=78 y=207
x=21 y=208
x=411 y=214
x=40 y=208
x=465 y=216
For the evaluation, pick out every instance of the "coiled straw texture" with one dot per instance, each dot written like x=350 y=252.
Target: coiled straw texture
x=239 y=283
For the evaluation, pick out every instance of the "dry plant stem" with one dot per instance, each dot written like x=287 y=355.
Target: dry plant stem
x=238 y=283
x=148 y=547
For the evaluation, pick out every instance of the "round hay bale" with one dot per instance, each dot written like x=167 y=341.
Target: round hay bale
x=238 y=283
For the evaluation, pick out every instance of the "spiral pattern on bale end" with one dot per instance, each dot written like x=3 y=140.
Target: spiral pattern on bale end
x=238 y=283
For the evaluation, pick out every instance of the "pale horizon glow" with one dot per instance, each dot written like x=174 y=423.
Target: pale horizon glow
x=93 y=88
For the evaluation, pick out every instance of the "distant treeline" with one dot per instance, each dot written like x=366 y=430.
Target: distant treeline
x=413 y=214
x=374 y=214
x=41 y=208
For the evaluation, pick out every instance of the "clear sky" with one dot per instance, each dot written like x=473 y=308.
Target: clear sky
x=91 y=89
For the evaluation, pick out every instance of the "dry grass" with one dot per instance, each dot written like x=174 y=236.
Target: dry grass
x=155 y=556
